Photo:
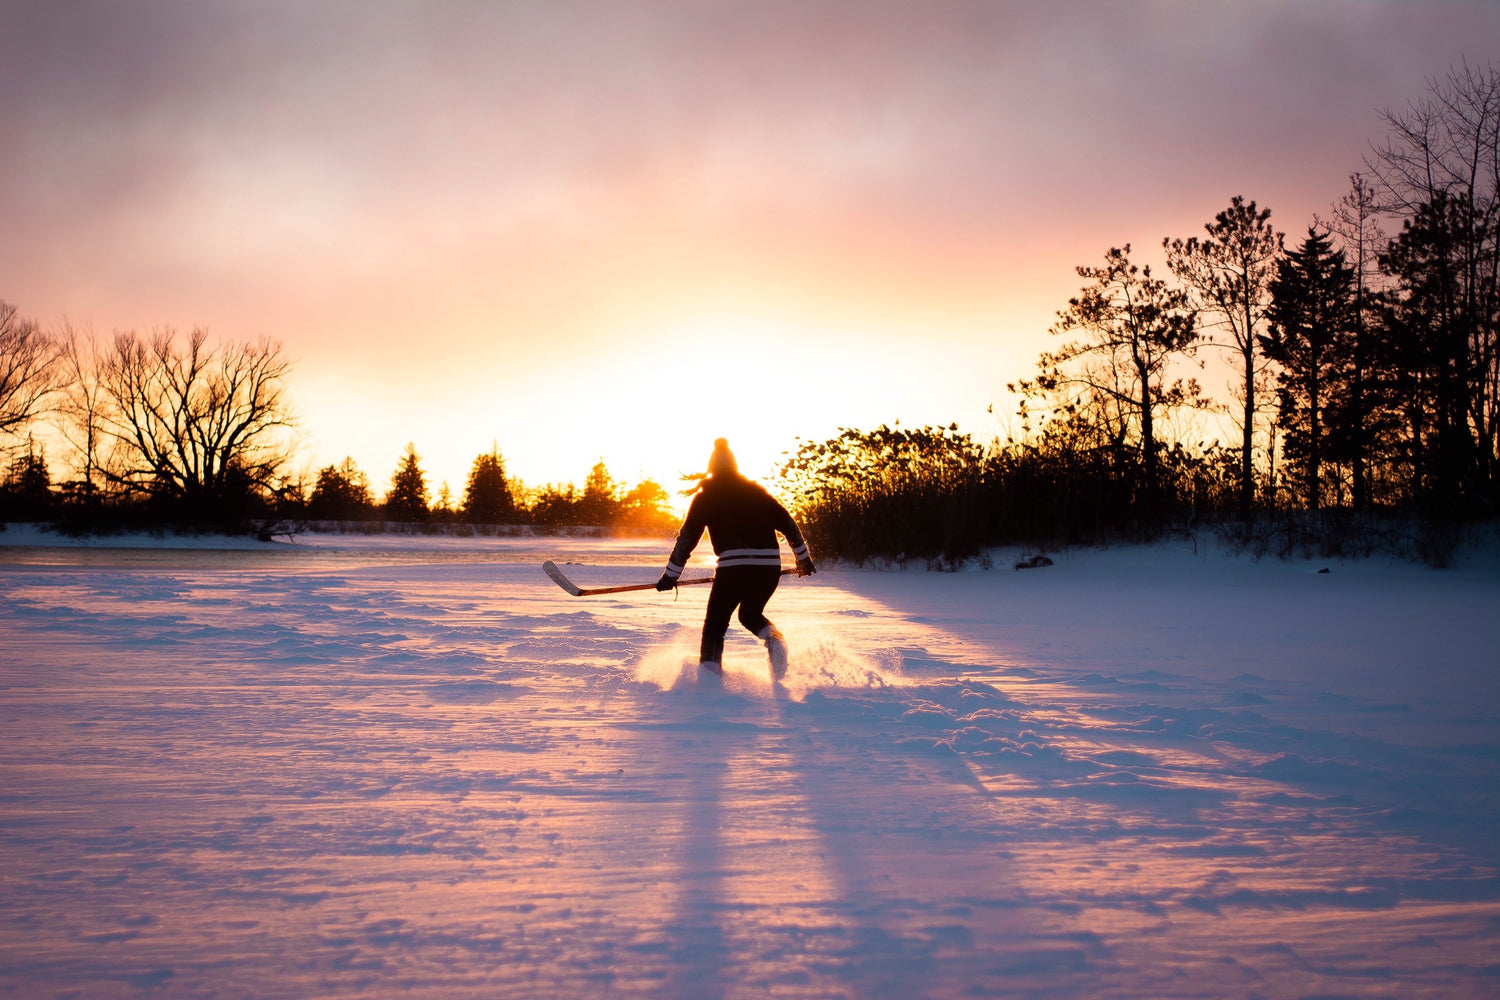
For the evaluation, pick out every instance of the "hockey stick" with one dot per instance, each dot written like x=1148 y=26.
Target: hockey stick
x=550 y=568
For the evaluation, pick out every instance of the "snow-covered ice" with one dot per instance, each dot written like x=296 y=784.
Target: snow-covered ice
x=368 y=767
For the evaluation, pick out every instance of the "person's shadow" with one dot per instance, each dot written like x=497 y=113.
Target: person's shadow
x=703 y=959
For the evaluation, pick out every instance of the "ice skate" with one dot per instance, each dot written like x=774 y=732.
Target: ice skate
x=775 y=649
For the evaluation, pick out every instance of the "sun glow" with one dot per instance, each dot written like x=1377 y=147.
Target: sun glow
x=641 y=348
x=650 y=393
x=654 y=409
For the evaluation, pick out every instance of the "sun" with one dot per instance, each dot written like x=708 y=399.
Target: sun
x=658 y=405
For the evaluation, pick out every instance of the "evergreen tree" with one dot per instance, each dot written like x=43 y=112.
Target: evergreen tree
x=27 y=490
x=555 y=505
x=647 y=508
x=407 y=500
x=342 y=493
x=600 y=503
x=1443 y=369
x=1312 y=312
x=1366 y=424
x=1440 y=168
x=487 y=496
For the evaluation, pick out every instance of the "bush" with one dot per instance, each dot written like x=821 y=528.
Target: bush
x=936 y=494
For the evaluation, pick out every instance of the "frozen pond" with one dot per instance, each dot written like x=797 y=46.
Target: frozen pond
x=365 y=767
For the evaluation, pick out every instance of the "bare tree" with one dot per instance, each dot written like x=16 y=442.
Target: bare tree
x=82 y=408
x=28 y=370
x=1448 y=142
x=195 y=423
x=1230 y=274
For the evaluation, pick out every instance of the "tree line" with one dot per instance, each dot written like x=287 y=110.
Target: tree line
x=1367 y=376
x=342 y=493
x=166 y=429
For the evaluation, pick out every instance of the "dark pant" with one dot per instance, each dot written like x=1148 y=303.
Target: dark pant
x=749 y=587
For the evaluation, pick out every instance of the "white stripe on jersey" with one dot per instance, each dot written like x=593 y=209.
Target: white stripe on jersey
x=738 y=553
x=750 y=557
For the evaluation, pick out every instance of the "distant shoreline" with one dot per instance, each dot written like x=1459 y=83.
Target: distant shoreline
x=42 y=534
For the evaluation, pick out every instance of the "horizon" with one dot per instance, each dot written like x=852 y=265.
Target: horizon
x=618 y=234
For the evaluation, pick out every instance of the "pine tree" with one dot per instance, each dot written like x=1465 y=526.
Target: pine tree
x=26 y=491
x=1367 y=425
x=407 y=500
x=1230 y=273
x=600 y=503
x=1312 y=313
x=487 y=497
x=1134 y=326
x=555 y=505
x=342 y=493
x=1439 y=319
x=647 y=507
x=29 y=476
x=1438 y=169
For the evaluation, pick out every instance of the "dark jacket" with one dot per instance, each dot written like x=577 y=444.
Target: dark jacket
x=742 y=520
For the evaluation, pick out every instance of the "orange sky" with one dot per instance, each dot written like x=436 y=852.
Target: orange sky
x=621 y=230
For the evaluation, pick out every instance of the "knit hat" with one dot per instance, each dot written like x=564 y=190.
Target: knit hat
x=722 y=461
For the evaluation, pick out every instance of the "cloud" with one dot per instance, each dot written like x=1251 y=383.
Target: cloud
x=480 y=115
x=514 y=184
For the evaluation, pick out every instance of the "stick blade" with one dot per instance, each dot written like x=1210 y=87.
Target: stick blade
x=550 y=568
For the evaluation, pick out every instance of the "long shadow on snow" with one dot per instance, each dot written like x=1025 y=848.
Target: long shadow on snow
x=926 y=894
x=697 y=735
x=701 y=952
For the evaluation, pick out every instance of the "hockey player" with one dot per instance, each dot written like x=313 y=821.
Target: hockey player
x=742 y=520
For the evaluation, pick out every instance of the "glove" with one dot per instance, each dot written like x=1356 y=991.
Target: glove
x=665 y=583
x=805 y=567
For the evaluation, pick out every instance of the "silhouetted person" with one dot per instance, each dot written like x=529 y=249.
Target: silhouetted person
x=742 y=520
